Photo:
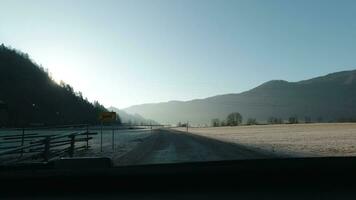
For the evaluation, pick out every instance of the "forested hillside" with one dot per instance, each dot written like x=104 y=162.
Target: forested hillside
x=29 y=96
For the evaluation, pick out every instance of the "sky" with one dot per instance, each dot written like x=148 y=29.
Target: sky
x=124 y=53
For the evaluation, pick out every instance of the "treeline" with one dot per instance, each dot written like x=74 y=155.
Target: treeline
x=29 y=96
x=235 y=119
x=140 y=123
x=296 y=120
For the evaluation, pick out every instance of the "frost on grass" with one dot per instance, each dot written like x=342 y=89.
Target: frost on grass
x=124 y=141
x=298 y=140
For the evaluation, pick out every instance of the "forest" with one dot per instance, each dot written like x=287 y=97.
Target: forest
x=29 y=96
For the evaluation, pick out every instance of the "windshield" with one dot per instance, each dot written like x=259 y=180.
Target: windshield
x=147 y=82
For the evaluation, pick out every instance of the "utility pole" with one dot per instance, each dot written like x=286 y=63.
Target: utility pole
x=101 y=137
x=187 y=126
x=87 y=147
x=113 y=139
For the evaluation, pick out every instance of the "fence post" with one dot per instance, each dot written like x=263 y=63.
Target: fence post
x=113 y=139
x=72 y=145
x=46 y=148
x=87 y=137
x=101 y=137
x=22 y=140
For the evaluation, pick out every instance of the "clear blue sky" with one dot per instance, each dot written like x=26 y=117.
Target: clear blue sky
x=131 y=52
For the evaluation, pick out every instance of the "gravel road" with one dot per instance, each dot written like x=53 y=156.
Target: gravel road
x=170 y=146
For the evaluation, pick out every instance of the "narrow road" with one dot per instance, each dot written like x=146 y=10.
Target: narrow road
x=169 y=146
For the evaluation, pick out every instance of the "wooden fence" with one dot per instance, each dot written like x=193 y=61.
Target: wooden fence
x=43 y=146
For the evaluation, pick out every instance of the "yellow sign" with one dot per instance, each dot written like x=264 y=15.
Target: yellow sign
x=107 y=116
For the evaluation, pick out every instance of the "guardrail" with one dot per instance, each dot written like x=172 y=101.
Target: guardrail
x=35 y=146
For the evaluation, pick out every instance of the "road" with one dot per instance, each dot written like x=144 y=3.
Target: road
x=170 y=146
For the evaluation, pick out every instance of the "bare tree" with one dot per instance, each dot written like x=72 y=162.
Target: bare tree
x=234 y=119
x=275 y=120
x=293 y=120
x=215 y=122
x=307 y=119
x=251 y=121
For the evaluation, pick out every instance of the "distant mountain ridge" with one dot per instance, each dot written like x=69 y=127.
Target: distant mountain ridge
x=330 y=97
x=131 y=118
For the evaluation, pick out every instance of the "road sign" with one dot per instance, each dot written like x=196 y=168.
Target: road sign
x=107 y=116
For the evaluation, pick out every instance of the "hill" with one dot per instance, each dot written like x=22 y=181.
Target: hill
x=135 y=119
x=326 y=98
x=28 y=95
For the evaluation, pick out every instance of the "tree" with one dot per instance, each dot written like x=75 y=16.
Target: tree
x=320 y=119
x=234 y=119
x=54 y=103
x=215 y=122
x=118 y=119
x=293 y=120
x=307 y=119
x=222 y=123
x=251 y=121
x=275 y=120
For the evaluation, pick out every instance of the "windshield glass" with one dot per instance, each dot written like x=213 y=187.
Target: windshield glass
x=146 y=82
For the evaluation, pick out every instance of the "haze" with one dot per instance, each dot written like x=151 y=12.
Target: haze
x=124 y=53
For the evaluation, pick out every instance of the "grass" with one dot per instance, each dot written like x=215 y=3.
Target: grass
x=300 y=140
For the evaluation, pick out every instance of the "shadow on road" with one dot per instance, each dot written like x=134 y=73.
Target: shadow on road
x=172 y=146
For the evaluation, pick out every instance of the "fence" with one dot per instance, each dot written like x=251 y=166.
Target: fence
x=46 y=143
x=43 y=147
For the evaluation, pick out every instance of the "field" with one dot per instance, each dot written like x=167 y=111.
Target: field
x=324 y=139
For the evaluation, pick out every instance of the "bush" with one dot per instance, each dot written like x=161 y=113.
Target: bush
x=251 y=121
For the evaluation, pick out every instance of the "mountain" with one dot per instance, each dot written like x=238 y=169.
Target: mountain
x=328 y=98
x=28 y=95
x=131 y=118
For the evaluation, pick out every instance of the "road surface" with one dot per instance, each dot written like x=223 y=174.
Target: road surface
x=171 y=146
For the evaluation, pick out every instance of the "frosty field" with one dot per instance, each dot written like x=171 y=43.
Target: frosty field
x=297 y=140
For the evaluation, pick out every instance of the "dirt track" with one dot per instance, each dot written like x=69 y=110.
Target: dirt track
x=169 y=146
